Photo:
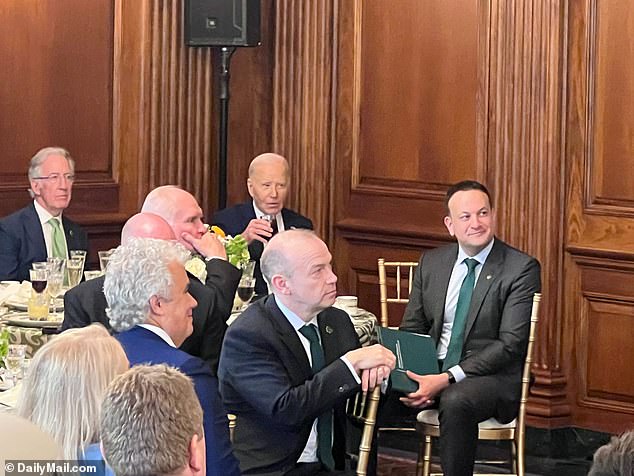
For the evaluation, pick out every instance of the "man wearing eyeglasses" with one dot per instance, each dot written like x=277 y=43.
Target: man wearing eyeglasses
x=40 y=230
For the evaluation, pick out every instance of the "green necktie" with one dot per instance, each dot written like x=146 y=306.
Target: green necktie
x=454 y=350
x=59 y=242
x=324 y=421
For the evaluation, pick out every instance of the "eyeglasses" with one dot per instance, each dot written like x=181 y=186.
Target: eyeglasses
x=56 y=177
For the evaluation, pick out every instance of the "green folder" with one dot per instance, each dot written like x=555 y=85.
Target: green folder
x=414 y=352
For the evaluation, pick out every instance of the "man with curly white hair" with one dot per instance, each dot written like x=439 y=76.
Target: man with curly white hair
x=146 y=287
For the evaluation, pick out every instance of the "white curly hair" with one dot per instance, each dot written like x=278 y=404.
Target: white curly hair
x=137 y=271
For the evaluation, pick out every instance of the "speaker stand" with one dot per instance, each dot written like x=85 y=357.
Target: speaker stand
x=225 y=61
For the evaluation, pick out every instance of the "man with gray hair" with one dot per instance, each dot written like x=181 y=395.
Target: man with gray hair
x=152 y=423
x=290 y=361
x=146 y=288
x=39 y=230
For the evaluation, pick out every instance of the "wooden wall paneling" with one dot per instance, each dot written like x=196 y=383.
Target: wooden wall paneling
x=598 y=242
x=302 y=96
x=525 y=172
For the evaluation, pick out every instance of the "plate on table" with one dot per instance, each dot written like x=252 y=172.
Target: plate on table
x=23 y=320
x=20 y=303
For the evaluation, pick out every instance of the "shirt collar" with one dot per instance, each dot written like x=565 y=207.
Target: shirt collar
x=159 y=332
x=481 y=257
x=295 y=321
x=43 y=214
x=259 y=213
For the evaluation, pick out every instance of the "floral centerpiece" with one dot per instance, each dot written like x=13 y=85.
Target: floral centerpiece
x=237 y=250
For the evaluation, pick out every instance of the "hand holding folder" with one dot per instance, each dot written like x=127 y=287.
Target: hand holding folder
x=414 y=352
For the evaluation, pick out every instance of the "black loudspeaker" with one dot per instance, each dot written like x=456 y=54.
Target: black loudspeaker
x=222 y=22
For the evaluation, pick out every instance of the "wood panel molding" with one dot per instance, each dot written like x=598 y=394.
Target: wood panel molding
x=302 y=103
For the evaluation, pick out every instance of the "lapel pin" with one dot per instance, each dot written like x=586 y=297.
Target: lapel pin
x=329 y=330
x=489 y=276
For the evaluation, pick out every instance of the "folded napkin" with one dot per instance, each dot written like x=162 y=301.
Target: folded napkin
x=13 y=289
x=9 y=398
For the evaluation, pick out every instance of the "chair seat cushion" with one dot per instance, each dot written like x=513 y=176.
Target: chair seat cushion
x=430 y=417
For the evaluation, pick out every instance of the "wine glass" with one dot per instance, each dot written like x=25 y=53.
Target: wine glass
x=38 y=302
x=246 y=289
x=56 y=267
x=14 y=360
x=81 y=254
x=104 y=259
x=74 y=268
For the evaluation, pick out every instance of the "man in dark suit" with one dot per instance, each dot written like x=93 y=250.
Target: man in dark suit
x=86 y=302
x=35 y=232
x=146 y=287
x=289 y=362
x=259 y=219
x=474 y=298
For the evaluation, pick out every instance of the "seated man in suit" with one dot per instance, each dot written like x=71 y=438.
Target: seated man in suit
x=291 y=360
x=152 y=423
x=474 y=297
x=86 y=303
x=268 y=184
x=40 y=230
x=146 y=287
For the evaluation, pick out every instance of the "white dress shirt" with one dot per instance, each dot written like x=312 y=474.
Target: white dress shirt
x=278 y=217
x=44 y=216
x=458 y=274
x=159 y=332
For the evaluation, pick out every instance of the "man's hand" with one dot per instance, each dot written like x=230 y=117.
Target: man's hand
x=428 y=387
x=374 y=363
x=257 y=229
x=207 y=245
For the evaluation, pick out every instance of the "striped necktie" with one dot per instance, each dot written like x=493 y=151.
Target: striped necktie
x=59 y=242
x=454 y=350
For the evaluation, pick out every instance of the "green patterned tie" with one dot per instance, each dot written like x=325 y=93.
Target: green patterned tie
x=324 y=422
x=59 y=242
x=454 y=350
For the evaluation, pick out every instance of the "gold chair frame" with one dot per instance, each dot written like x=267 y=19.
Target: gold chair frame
x=492 y=429
x=383 y=290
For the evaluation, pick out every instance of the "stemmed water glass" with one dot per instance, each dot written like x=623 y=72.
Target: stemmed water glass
x=14 y=360
x=74 y=269
x=81 y=254
x=56 y=267
x=246 y=289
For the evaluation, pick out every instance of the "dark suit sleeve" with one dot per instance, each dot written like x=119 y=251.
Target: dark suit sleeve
x=256 y=373
x=510 y=345
x=414 y=319
x=75 y=314
x=220 y=458
x=223 y=279
x=9 y=252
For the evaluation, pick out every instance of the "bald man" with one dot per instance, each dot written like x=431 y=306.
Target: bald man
x=86 y=303
x=289 y=363
x=268 y=184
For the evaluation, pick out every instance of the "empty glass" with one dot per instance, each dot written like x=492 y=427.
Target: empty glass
x=104 y=258
x=14 y=359
x=88 y=275
x=56 y=270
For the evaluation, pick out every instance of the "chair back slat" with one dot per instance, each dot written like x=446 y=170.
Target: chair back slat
x=395 y=294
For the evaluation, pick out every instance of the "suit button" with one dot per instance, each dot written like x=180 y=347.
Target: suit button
x=343 y=388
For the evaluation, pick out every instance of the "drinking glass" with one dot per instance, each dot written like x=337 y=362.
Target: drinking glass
x=272 y=222
x=79 y=254
x=104 y=258
x=74 y=269
x=38 y=302
x=247 y=268
x=14 y=359
x=56 y=271
x=88 y=275
x=246 y=289
x=39 y=265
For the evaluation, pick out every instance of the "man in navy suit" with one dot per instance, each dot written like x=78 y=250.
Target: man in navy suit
x=146 y=288
x=39 y=230
x=291 y=360
x=259 y=219
x=487 y=286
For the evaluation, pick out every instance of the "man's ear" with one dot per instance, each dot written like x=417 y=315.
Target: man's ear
x=449 y=225
x=35 y=187
x=196 y=456
x=280 y=284
x=250 y=186
x=156 y=305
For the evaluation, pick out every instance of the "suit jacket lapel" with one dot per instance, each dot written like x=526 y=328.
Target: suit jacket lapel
x=288 y=336
x=440 y=284
x=70 y=234
x=329 y=337
x=35 y=233
x=489 y=273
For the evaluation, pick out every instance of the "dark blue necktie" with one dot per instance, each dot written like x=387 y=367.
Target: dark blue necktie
x=454 y=350
x=324 y=421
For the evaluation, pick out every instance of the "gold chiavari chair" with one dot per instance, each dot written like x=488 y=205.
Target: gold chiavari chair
x=490 y=429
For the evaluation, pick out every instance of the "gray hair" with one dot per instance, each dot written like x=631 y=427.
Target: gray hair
x=40 y=157
x=148 y=418
x=616 y=458
x=66 y=382
x=137 y=271
x=276 y=258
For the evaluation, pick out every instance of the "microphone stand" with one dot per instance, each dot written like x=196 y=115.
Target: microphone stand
x=223 y=128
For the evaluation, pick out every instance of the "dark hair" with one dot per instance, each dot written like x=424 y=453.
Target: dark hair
x=464 y=186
